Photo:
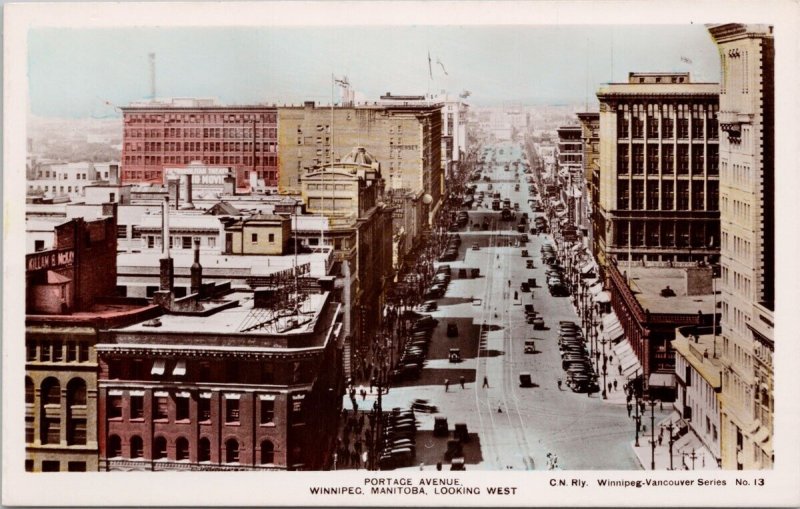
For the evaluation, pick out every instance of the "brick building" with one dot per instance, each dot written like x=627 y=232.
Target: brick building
x=68 y=301
x=237 y=383
x=159 y=135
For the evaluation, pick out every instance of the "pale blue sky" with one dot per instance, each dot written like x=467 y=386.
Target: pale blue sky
x=73 y=71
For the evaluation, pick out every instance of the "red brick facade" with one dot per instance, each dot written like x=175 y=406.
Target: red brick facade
x=157 y=137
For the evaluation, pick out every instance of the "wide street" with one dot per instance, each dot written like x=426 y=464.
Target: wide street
x=511 y=427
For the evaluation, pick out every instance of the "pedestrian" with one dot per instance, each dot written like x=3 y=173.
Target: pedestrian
x=559 y=384
x=615 y=385
x=619 y=369
x=609 y=386
x=629 y=409
x=364 y=458
x=446 y=384
x=660 y=439
x=485 y=381
x=363 y=394
x=422 y=466
x=438 y=465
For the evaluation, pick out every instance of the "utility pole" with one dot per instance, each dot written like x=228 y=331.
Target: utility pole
x=652 y=435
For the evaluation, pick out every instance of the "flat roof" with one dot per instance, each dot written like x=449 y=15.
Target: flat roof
x=694 y=353
x=236 y=320
x=665 y=89
x=647 y=283
x=222 y=264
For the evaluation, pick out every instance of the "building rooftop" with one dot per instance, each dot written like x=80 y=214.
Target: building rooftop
x=698 y=350
x=647 y=283
x=658 y=89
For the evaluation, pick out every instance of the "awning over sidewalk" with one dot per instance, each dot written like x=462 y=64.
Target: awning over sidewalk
x=612 y=329
x=691 y=444
x=588 y=267
x=602 y=297
x=596 y=289
x=662 y=380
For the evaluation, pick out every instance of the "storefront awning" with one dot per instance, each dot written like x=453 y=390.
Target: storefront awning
x=662 y=380
x=180 y=368
x=632 y=369
x=596 y=288
x=587 y=268
x=622 y=349
x=602 y=297
x=158 y=367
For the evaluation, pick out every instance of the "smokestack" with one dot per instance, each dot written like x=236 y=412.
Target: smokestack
x=152 y=57
x=188 y=204
x=197 y=269
x=174 y=190
x=229 y=185
x=167 y=274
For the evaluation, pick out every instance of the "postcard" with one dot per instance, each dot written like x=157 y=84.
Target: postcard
x=399 y=253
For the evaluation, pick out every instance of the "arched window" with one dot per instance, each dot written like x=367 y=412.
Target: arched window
x=160 y=448
x=137 y=447
x=182 y=449
x=29 y=392
x=76 y=392
x=51 y=392
x=114 y=447
x=204 y=450
x=232 y=451
x=267 y=452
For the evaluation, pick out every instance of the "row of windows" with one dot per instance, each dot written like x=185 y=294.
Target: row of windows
x=65 y=176
x=631 y=195
x=56 y=351
x=668 y=120
x=632 y=158
x=663 y=234
x=179 y=409
x=740 y=174
x=51 y=401
x=175 y=242
x=55 y=466
x=155 y=160
x=192 y=146
x=59 y=189
x=740 y=249
x=156 y=118
x=735 y=72
x=135 y=449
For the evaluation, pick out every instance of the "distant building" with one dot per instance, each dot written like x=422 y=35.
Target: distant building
x=747 y=216
x=590 y=140
x=659 y=169
x=68 y=179
x=67 y=302
x=569 y=160
x=173 y=134
x=406 y=138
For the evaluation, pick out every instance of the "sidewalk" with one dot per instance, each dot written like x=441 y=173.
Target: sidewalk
x=688 y=453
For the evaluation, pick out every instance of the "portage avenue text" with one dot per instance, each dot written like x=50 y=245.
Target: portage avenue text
x=407 y=486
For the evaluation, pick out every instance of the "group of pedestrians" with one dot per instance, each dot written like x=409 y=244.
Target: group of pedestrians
x=354 y=441
x=461 y=380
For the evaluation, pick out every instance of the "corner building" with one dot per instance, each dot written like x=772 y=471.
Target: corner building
x=238 y=384
x=747 y=217
x=659 y=169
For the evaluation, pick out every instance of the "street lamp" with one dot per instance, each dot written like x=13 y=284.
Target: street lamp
x=672 y=440
x=652 y=404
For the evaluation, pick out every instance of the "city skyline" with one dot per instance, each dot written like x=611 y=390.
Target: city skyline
x=290 y=65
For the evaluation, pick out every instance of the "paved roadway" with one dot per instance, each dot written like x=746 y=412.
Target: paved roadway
x=512 y=427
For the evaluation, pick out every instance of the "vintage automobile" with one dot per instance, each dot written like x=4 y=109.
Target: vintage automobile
x=530 y=346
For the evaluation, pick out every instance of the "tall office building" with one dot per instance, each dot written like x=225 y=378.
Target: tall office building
x=659 y=182
x=747 y=220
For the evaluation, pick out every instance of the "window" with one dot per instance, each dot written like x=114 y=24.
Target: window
x=638 y=159
x=76 y=466
x=115 y=407
x=267 y=411
x=182 y=449
x=160 y=407
x=30 y=430
x=204 y=409
x=186 y=242
x=160 y=448
x=51 y=430
x=637 y=121
x=83 y=352
x=136 y=233
x=652 y=121
x=267 y=452
x=683 y=121
x=698 y=159
x=29 y=465
x=667 y=195
x=652 y=159
x=652 y=195
x=623 y=160
x=51 y=392
x=204 y=450
x=697 y=121
x=30 y=351
x=623 y=117
x=122 y=231
x=137 y=447
x=76 y=432
x=182 y=408
x=45 y=351
x=638 y=195
x=72 y=352
x=698 y=202
x=29 y=391
x=212 y=242
x=76 y=392
x=271 y=238
x=232 y=451
x=623 y=194
x=231 y=409
x=137 y=407
x=51 y=466
x=38 y=245
x=683 y=159
x=254 y=237
x=114 y=447
x=713 y=160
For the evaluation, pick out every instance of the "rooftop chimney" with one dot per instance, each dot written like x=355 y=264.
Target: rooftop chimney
x=188 y=201
x=174 y=190
x=167 y=278
x=229 y=185
x=196 y=269
x=113 y=174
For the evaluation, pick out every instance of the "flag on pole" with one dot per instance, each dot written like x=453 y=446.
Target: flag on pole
x=430 y=66
x=441 y=64
x=687 y=60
